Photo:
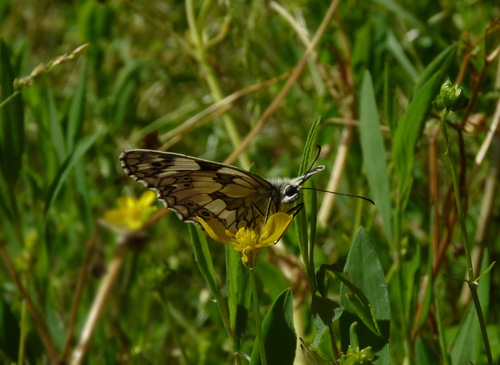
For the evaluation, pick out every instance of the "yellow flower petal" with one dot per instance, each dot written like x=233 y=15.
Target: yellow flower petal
x=147 y=198
x=274 y=229
x=249 y=241
x=216 y=230
x=131 y=213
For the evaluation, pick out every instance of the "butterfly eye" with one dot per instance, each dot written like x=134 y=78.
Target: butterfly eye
x=291 y=191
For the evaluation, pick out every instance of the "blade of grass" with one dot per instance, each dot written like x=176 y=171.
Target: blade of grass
x=77 y=110
x=411 y=124
x=12 y=138
x=238 y=294
x=306 y=247
x=372 y=146
x=206 y=267
x=66 y=167
x=50 y=115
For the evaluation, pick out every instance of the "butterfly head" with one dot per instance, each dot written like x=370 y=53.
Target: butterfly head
x=290 y=188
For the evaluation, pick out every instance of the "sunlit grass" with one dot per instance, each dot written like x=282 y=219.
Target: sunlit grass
x=245 y=83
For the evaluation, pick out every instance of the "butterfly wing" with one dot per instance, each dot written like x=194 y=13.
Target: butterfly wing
x=194 y=187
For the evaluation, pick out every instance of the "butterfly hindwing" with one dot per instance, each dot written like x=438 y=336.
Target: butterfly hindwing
x=194 y=187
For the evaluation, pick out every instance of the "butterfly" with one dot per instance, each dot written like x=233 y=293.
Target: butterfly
x=193 y=187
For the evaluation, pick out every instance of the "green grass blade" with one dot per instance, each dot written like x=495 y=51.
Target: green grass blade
x=279 y=332
x=425 y=354
x=66 y=167
x=372 y=146
x=440 y=65
x=238 y=292
x=123 y=90
x=301 y=219
x=52 y=121
x=206 y=267
x=410 y=127
x=204 y=260
x=9 y=333
x=77 y=110
x=468 y=346
x=309 y=146
x=394 y=47
x=12 y=136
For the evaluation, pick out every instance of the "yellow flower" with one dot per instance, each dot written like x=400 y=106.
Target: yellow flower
x=249 y=241
x=132 y=213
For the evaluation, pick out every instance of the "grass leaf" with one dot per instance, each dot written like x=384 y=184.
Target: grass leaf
x=410 y=127
x=66 y=167
x=372 y=146
x=12 y=137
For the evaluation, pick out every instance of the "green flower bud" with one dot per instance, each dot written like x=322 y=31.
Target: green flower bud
x=451 y=97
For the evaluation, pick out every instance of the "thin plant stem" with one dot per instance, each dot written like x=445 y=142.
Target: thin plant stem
x=78 y=294
x=258 y=322
x=42 y=329
x=98 y=305
x=22 y=335
x=333 y=343
x=212 y=81
x=473 y=284
x=442 y=340
x=294 y=77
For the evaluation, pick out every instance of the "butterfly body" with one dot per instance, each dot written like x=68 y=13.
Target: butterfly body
x=193 y=187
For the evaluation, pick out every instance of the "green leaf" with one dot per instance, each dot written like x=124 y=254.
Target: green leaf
x=11 y=121
x=239 y=296
x=66 y=167
x=203 y=259
x=425 y=354
x=12 y=137
x=324 y=312
x=9 y=333
x=411 y=269
x=357 y=301
x=77 y=110
x=396 y=49
x=279 y=333
x=301 y=219
x=468 y=345
x=309 y=146
x=439 y=65
x=372 y=146
x=410 y=127
x=123 y=90
x=366 y=273
x=389 y=103
x=400 y=12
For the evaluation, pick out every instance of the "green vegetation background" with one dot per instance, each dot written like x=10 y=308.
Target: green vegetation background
x=196 y=78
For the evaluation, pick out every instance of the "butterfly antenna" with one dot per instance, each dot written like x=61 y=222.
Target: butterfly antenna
x=305 y=176
x=343 y=194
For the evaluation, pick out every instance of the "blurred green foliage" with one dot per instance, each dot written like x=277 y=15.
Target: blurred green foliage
x=196 y=78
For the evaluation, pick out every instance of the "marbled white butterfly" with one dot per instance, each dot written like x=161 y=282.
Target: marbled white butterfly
x=192 y=187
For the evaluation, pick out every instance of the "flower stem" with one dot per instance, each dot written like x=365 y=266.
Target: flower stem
x=200 y=51
x=471 y=281
x=256 y=310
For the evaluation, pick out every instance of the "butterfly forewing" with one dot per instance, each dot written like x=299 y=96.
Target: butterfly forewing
x=194 y=187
